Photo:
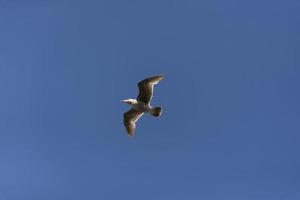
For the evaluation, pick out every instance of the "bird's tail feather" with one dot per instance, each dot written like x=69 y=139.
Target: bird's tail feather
x=156 y=111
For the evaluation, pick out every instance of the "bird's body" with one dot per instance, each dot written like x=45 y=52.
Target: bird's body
x=141 y=105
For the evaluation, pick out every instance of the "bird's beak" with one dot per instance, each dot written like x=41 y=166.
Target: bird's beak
x=123 y=101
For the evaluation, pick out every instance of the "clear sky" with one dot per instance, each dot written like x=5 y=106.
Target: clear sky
x=230 y=128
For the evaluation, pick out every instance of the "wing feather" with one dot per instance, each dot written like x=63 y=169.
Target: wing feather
x=130 y=118
x=146 y=88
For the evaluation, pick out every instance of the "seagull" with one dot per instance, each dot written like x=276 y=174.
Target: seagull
x=141 y=104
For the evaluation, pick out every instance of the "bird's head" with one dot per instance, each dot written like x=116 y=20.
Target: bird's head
x=129 y=101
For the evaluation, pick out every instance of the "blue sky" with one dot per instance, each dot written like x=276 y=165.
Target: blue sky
x=230 y=127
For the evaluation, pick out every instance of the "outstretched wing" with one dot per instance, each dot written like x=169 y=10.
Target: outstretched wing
x=130 y=118
x=146 y=88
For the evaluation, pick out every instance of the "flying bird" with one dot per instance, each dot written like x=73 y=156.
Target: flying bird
x=141 y=104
